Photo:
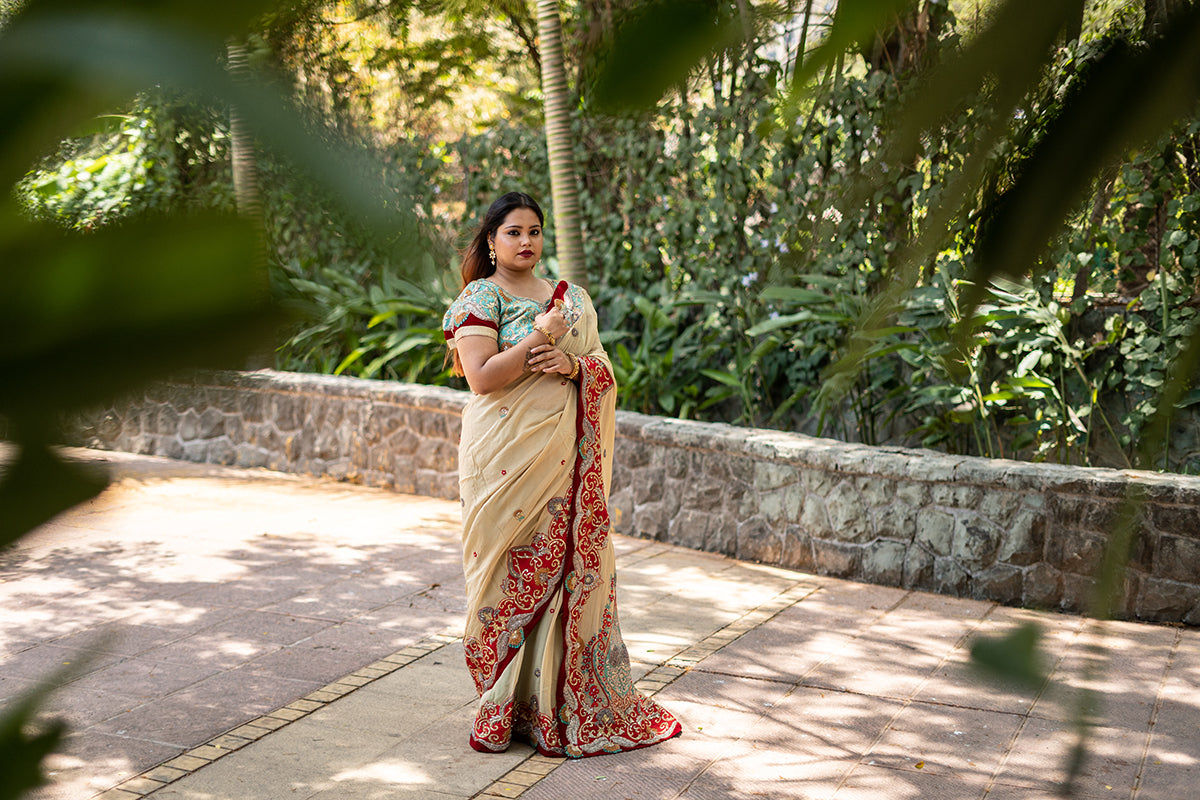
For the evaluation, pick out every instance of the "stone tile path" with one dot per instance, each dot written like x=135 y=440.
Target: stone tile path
x=242 y=634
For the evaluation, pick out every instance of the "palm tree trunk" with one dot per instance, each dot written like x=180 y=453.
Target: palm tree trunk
x=563 y=186
x=245 y=186
x=802 y=47
x=245 y=167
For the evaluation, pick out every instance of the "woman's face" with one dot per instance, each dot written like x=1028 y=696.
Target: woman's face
x=518 y=240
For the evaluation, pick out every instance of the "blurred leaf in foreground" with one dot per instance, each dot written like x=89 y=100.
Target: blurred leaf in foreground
x=37 y=486
x=57 y=71
x=24 y=743
x=659 y=47
x=1014 y=658
x=86 y=317
x=1129 y=97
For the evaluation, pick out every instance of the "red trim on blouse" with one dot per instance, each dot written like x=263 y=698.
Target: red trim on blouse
x=473 y=320
x=560 y=292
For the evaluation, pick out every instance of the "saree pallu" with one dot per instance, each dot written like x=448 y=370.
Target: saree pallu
x=542 y=641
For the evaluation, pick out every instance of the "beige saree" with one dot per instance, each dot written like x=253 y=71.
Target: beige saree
x=542 y=640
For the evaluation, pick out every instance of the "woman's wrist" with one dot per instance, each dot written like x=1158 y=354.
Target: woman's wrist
x=551 y=338
x=574 y=373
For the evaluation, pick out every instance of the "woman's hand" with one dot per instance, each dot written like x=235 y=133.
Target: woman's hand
x=546 y=358
x=553 y=322
x=489 y=369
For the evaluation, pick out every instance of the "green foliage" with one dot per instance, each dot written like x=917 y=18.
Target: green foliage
x=740 y=244
x=643 y=64
x=367 y=321
x=760 y=254
x=362 y=305
x=166 y=154
x=387 y=70
x=8 y=9
x=828 y=258
x=128 y=271
x=1013 y=658
x=24 y=745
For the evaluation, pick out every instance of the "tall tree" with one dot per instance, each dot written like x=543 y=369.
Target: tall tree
x=246 y=188
x=563 y=186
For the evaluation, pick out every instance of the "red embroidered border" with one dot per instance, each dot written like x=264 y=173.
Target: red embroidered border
x=617 y=718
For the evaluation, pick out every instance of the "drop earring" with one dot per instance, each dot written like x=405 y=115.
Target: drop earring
x=492 y=255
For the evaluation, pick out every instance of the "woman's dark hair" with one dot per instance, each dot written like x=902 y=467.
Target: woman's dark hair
x=476 y=263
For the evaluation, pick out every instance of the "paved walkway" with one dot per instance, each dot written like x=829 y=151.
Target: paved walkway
x=239 y=634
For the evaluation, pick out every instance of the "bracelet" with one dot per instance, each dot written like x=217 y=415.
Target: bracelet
x=574 y=367
x=547 y=334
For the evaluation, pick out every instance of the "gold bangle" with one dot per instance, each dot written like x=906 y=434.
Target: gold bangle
x=574 y=367
x=546 y=333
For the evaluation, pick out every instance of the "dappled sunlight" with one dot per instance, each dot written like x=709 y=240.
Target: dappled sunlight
x=773 y=773
x=198 y=603
x=1175 y=752
x=1039 y=757
x=218 y=648
x=946 y=740
x=668 y=575
x=44 y=623
x=237 y=615
x=33 y=588
x=387 y=772
x=784 y=655
x=652 y=648
x=868 y=782
x=665 y=576
x=82 y=769
x=835 y=725
x=711 y=729
x=767 y=571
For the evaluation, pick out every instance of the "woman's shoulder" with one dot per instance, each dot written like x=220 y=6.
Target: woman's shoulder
x=479 y=299
x=480 y=287
x=480 y=291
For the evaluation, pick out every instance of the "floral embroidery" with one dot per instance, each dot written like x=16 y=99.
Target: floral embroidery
x=586 y=705
x=478 y=304
x=493 y=727
x=483 y=303
x=577 y=581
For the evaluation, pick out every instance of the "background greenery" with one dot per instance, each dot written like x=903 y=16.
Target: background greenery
x=736 y=232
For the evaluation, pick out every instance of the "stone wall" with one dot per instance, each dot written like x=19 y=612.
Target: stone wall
x=399 y=436
x=1017 y=533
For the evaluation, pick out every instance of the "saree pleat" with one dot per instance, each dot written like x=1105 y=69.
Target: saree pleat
x=542 y=642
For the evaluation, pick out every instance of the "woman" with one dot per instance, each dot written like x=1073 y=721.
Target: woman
x=542 y=641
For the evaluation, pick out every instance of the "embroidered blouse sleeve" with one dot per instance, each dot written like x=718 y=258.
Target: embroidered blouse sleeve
x=476 y=312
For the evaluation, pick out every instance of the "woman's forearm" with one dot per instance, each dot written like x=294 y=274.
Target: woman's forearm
x=497 y=371
x=491 y=372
